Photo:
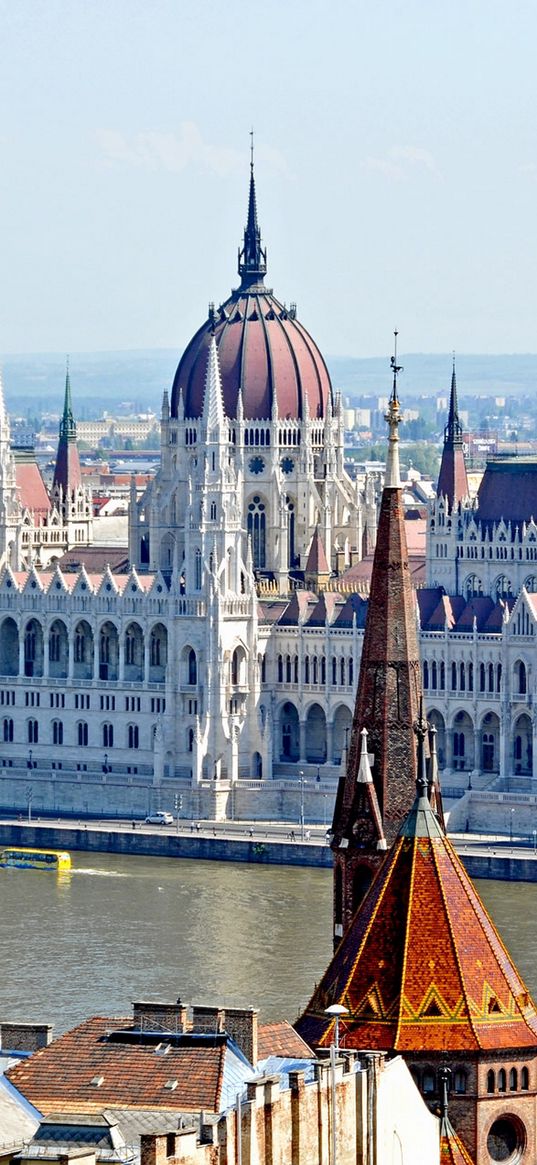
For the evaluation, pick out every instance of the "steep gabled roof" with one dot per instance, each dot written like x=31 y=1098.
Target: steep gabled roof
x=422 y=967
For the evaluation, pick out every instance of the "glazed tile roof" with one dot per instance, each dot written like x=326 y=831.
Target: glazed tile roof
x=134 y=1074
x=452 y=1150
x=422 y=967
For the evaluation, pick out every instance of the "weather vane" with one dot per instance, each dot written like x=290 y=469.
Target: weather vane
x=396 y=368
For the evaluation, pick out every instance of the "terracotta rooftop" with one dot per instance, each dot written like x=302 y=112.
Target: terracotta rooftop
x=422 y=967
x=32 y=493
x=104 y=1063
x=281 y=1039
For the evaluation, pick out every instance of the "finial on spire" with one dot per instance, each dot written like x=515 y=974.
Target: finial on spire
x=396 y=368
x=392 y=479
x=421 y=728
x=252 y=256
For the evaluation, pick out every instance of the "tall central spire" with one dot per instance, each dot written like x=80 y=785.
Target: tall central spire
x=67 y=475
x=252 y=257
x=387 y=701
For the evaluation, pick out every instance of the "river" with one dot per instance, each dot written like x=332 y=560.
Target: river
x=120 y=928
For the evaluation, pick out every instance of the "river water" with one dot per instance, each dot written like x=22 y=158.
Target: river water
x=120 y=928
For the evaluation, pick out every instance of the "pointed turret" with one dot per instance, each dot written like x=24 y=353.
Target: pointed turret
x=317 y=570
x=67 y=475
x=252 y=256
x=213 y=404
x=422 y=972
x=452 y=479
x=388 y=696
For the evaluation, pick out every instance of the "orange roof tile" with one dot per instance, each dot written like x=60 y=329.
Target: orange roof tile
x=422 y=967
x=59 y=1077
x=32 y=492
x=281 y=1039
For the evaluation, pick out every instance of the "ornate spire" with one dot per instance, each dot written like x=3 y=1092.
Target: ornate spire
x=452 y=479
x=387 y=700
x=213 y=404
x=67 y=474
x=392 y=479
x=252 y=257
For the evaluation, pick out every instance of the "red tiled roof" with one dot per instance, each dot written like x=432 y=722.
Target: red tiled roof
x=422 y=967
x=317 y=562
x=281 y=1039
x=452 y=1150
x=32 y=492
x=58 y=1078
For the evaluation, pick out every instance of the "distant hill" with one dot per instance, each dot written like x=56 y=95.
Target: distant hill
x=104 y=380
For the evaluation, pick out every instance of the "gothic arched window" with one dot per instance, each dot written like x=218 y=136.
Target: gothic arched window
x=257 y=530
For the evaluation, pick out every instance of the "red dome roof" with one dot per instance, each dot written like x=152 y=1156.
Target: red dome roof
x=264 y=352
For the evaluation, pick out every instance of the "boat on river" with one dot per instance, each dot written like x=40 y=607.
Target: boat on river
x=35 y=859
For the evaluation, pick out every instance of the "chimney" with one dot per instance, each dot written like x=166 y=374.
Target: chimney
x=25 y=1037
x=208 y=1019
x=241 y=1025
x=155 y=1015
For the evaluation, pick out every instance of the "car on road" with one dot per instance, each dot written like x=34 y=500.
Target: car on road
x=159 y=818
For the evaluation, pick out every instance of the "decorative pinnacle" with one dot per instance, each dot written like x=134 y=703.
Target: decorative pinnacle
x=421 y=729
x=67 y=423
x=252 y=257
x=453 y=429
x=364 y=776
x=444 y=1076
x=393 y=417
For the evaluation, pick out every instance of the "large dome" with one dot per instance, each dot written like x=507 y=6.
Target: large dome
x=264 y=352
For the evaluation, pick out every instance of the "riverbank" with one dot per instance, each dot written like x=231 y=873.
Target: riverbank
x=498 y=858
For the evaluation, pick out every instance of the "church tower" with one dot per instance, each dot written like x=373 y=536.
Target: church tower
x=422 y=973
x=71 y=498
x=387 y=703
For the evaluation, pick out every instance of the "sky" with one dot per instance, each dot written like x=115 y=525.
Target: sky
x=395 y=161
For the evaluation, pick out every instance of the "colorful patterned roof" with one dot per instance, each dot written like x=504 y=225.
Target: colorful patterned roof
x=422 y=967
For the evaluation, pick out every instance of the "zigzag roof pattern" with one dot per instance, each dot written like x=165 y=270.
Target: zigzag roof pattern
x=422 y=967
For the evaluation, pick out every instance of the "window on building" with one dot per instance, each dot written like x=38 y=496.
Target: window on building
x=513 y=1080
x=108 y=735
x=8 y=730
x=33 y=732
x=491 y=1081
x=57 y=732
x=502 y=1080
x=82 y=734
x=133 y=736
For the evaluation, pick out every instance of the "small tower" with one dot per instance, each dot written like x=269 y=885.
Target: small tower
x=317 y=570
x=422 y=973
x=252 y=256
x=387 y=701
x=71 y=498
x=452 y=479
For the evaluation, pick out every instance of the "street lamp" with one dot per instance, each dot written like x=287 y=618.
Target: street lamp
x=335 y=1011
x=325 y=799
x=303 y=782
x=511 y=827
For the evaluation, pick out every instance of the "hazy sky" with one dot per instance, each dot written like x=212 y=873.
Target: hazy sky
x=396 y=168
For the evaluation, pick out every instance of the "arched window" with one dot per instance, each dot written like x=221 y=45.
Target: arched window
x=33 y=732
x=481 y=677
x=315 y=669
x=256 y=525
x=190 y=740
x=342 y=671
x=463 y=678
x=351 y=670
x=453 y=677
x=295 y=669
x=82 y=734
x=491 y=1081
x=307 y=669
x=513 y=1080
x=334 y=670
x=434 y=675
x=442 y=677
x=8 y=730
x=470 y=677
x=502 y=1080
x=323 y=669
x=57 y=732
x=521 y=679
x=192 y=668
x=488 y=752
x=280 y=669
x=498 y=678
x=108 y=735
x=54 y=646
x=288 y=669
x=130 y=648
x=133 y=736
x=524 y=1079
x=425 y=675
x=491 y=677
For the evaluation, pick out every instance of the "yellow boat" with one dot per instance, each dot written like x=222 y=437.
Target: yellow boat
x=35 y=859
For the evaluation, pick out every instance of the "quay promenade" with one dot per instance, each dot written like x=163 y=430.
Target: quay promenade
x=499 y=857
